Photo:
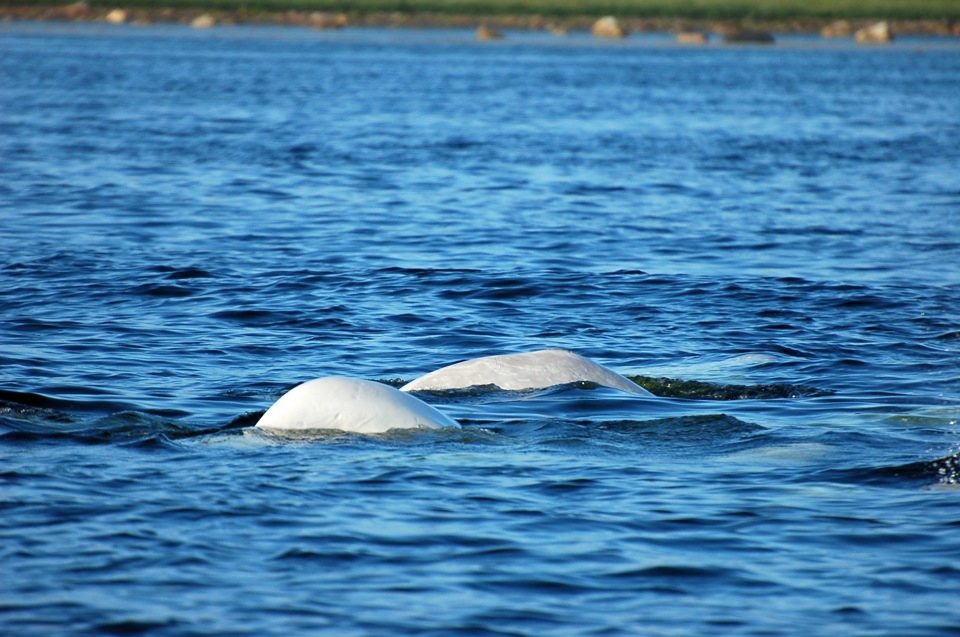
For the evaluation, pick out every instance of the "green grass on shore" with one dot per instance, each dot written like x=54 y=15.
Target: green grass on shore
x=769 y=10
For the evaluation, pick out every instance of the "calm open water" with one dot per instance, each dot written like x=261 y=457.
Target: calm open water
x=195 y=221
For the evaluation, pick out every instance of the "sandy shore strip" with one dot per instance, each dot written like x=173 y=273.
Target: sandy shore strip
x=82 y=11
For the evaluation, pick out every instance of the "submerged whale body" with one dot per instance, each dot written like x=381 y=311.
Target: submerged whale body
x=351 y=404
x=532 y=370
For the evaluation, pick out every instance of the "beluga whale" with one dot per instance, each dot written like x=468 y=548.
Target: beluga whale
x=528 y=371
x=350 y=404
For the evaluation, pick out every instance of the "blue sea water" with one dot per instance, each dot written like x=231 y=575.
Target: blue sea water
x=768 y=238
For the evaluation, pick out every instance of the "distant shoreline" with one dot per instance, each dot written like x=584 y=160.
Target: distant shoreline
x=82 y=12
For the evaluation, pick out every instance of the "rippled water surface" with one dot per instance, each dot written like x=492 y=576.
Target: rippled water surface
x=192 y=222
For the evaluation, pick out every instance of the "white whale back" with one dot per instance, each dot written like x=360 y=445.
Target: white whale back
x=351 y=404
x=532 y=370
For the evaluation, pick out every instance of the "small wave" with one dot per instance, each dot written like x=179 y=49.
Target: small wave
x=952 y=335
x=125 y=434
x=268 y=318
x=701 y=427
x=942 y=471
x=163 y=290
x=675 y=388
x=497 y=290
x=133 y=626
x=34 y=325
x=681 y=578
x=672 y=572
x=34 y=417
x=28 y=404
x=124 y=428
x=179 y=274
x=250 y=317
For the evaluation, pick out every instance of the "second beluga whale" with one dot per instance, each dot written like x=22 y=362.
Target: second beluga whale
x=527 y=371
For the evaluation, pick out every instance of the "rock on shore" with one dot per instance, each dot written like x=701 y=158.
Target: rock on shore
x=879 y=32
x=484 y=33
x=609 y=27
